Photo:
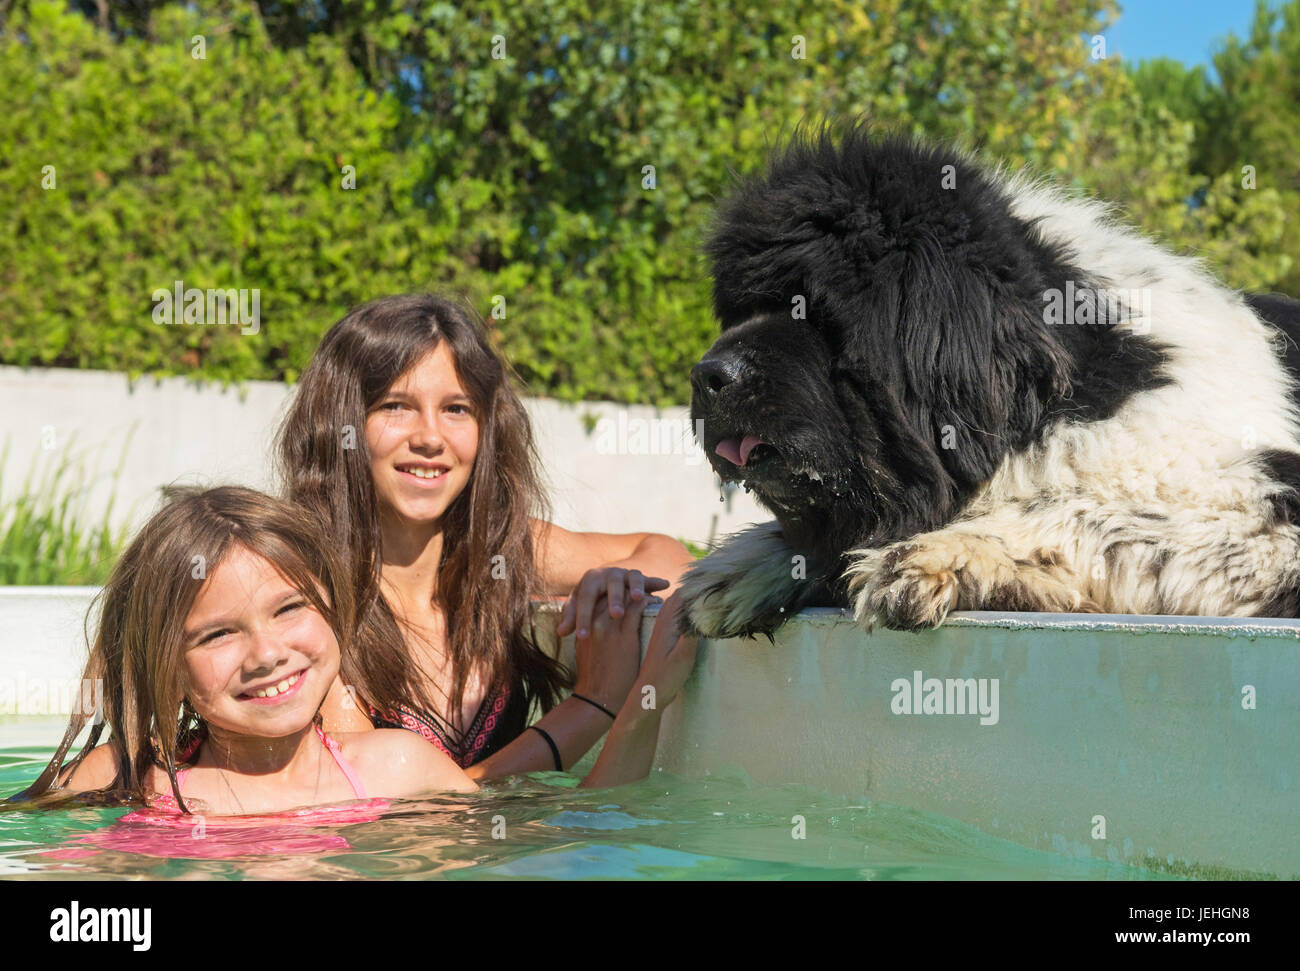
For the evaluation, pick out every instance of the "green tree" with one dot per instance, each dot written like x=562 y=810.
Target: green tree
x=1260 y=118
x=557 y=160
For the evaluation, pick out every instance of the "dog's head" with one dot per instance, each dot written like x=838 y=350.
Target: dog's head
x=883 y=343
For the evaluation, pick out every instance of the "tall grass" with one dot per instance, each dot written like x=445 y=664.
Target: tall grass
x=46 y=536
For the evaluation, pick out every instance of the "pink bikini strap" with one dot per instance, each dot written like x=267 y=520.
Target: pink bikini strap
x=187 y=754
x=166 y=799
x=346 y=769
x=333 y=748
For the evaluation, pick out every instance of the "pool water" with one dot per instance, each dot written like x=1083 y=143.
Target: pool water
x=541 y=826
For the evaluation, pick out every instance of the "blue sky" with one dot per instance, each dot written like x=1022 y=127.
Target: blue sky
x=1184 y=30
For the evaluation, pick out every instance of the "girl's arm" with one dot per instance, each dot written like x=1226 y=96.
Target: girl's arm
x=574 y=727
x=623 y=567
x=565 y=557
x=607 y=665
x=626 y=568
x=607 y=660
x=630 y=749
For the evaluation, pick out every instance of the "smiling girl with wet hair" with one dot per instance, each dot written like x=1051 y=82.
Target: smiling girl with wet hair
x=219 y=637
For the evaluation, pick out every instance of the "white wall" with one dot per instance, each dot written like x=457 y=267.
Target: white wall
x=44 y=638
x=173 y=430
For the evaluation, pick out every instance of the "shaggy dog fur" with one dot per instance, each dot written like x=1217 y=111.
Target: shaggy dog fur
x=961 y=389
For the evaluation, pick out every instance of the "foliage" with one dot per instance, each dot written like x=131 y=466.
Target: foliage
x=1259 y=122
x=222 y=172
x=46 y=536
x=524 y=177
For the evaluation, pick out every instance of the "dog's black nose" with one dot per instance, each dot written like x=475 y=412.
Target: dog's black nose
x=714 y=373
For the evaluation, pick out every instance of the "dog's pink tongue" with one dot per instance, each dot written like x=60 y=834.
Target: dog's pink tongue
x=737 y=453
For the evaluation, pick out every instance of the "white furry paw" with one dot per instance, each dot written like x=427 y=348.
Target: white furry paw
x=749 y=585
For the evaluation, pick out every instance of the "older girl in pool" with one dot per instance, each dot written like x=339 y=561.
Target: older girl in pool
x=407 y=440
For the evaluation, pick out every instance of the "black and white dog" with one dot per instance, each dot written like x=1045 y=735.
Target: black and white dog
x=961 y=389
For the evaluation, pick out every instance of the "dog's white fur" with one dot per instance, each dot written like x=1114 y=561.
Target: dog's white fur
x=1174 y=473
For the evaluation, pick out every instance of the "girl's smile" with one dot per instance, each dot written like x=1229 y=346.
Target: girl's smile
x=277 y=692
x=426 y=476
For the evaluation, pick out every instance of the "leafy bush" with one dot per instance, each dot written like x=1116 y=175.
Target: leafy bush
x=46 y=536
x=525 y=177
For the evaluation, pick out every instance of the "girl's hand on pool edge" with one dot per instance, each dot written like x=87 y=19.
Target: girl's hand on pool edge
x=618 y=585
x=608 y=660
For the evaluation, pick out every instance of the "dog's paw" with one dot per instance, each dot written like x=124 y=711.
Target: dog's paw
x=744 y=588
x=904 y=586
x=719 y=603
x=714 y=625
x=716 y=615
x=915 y=584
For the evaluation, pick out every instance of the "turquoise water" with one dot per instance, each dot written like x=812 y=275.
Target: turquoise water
x=722 y=827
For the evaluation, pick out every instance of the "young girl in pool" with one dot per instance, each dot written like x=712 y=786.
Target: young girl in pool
x=219 y=638
x=408 y=442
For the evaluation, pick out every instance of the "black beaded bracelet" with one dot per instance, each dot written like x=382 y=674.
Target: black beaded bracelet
x=594 y=704
x=555 y=752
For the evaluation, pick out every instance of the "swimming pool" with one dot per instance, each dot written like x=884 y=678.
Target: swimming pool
x=723 y=826
x=1090 y=746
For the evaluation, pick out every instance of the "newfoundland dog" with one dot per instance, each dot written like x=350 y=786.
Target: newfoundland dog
x=961 y=389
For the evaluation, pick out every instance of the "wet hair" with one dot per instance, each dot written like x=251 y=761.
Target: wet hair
x=138 y=650
x=325 y=467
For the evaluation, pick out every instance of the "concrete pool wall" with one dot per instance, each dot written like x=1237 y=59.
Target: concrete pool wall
x=1168 y=741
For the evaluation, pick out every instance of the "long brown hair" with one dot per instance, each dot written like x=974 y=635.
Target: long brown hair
x=137 y=653
x=487 y=573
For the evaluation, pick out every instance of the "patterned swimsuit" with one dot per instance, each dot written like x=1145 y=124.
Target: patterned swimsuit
x=500 y=720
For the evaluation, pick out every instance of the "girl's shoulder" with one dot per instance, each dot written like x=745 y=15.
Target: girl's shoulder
x=383 y=747
x=393 y=761
x=97 y=770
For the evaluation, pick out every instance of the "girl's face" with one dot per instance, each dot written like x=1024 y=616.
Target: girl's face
x=259 y=658
x=423 y=436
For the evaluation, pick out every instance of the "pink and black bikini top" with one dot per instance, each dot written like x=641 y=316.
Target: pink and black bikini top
x=500 y=720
